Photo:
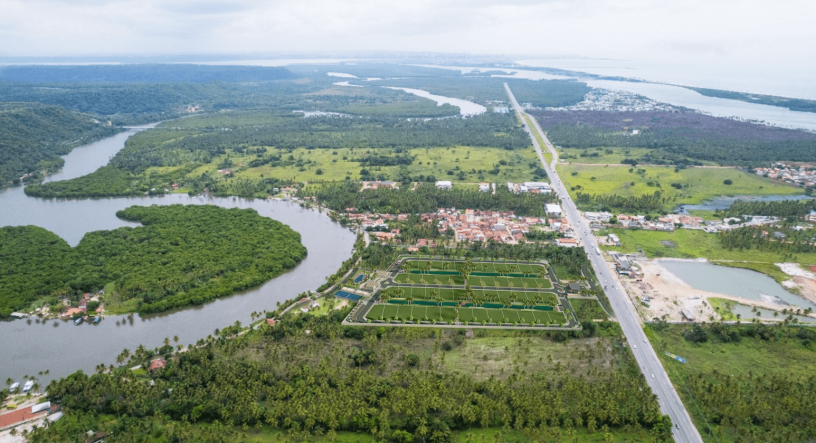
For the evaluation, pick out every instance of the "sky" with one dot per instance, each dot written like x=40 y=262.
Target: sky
x=710 y=31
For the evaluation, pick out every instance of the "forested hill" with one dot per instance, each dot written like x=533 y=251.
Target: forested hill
x=180 y=256
x=143 y=73
x=33 y=136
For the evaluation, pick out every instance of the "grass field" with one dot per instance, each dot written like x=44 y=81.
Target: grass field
x=698 y=184
x=466 y=314
x=690 y=243
x=443 y=273
x=475 y=281
x=467 y=164
x=485 y=295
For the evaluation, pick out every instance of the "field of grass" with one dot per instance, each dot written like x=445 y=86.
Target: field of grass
x=698 y=184
x=750 y=358
x=476 y=281
x=486 y=295
x=688 y=243
x=466 y=314
x=466 y=164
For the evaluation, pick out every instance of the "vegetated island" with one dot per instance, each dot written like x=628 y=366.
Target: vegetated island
x=181 y=256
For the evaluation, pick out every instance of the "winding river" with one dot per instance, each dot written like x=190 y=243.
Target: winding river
x=62 y=348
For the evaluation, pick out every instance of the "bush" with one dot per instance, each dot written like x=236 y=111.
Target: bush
x=727 y=181
x=412 y=359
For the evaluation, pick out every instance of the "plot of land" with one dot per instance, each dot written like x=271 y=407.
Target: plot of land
x=696 y=184
x=414 y=312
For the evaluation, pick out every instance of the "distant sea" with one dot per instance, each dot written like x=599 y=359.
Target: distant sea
x=795 y=80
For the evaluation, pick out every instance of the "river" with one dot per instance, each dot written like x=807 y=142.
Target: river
x=62 y=348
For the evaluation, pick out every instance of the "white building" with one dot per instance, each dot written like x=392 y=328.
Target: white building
x=539 y=186
x=598 y=216
x=553 y=210
x=444 y=184
x=484 y=187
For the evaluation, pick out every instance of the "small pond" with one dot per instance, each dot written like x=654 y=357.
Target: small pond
x=733 y=281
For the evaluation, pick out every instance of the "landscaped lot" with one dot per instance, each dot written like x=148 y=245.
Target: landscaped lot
x=484 y=274
x=392 y=312
x=449 y=295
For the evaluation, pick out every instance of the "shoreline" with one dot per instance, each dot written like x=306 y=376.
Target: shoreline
x=665 y=282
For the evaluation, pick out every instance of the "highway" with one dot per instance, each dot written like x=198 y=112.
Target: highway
x=682 y=427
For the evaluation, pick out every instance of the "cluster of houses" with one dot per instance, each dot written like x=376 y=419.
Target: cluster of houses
x=473 y=225
x=789 y=174
x=82 y=305
x=671 y=222
x=476 y=225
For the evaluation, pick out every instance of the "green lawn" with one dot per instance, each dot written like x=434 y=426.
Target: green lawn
x=698 y=184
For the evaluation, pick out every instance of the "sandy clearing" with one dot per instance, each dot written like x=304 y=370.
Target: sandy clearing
x=669 y=294
x=803 y=281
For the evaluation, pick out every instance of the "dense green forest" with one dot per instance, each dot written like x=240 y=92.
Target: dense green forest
x=794 y=104
x=745 y=382
x=180 y=256
x=142 y=73
x=539 y=93
x=392 y=383
x=33 y=136
x=425 y=198
x=682 y=134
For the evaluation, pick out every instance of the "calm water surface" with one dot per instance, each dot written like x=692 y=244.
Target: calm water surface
x=64 y=348
x=732 y=281
x=724 y=202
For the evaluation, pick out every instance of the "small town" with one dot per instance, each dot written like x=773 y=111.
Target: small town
x=800 y=176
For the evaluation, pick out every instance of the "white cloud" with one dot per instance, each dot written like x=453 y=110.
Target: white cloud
x=599 y=28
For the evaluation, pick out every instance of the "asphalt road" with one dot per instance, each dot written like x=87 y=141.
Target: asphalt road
x=670 y=404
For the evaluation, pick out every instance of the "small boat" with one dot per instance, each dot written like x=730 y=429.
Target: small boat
x=78 y=321
x=97 y=318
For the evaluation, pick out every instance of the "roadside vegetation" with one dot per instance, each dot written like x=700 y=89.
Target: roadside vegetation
x=736 y=377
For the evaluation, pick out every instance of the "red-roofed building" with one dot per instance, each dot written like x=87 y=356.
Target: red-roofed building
x=270 y=321
x=157 y=363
